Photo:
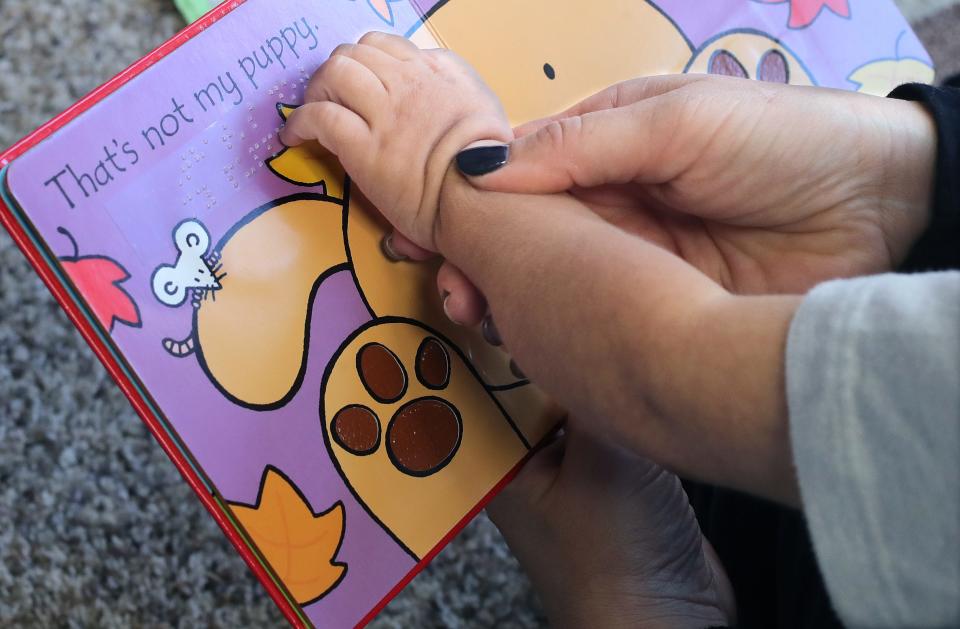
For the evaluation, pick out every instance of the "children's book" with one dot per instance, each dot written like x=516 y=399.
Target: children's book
x=335 y=424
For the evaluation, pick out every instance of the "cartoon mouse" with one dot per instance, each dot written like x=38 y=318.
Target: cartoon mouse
x=192 y=271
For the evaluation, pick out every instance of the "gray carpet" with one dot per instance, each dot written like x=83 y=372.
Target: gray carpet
x=97 y=529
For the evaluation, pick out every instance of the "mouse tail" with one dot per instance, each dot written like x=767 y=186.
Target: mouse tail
x=180 y=349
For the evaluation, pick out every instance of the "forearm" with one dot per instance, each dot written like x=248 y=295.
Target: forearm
x=610 y=326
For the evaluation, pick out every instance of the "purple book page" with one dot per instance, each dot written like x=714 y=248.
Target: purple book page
x=208 y=163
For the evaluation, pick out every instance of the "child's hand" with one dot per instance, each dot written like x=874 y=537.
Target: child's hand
x=396 y=116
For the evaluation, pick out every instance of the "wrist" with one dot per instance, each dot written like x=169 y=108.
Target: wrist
x=908 y=175
x=760 y=326
x=459 y=215
x=727 y=380
x=444 y=177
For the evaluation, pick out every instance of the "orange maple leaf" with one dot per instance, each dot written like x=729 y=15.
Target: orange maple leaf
x=300 y=545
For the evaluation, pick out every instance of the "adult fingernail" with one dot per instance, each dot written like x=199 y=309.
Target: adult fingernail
x=516 y=371
x=482 y=160
x=445 y=297
x=490 y=333
x=387 y=246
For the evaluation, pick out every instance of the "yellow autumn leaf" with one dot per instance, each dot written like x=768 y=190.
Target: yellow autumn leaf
x=308 y=164
x=299 y=545
x=881 y=77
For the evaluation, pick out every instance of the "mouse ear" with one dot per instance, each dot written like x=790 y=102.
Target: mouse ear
x=192 y=237
x=168 y=287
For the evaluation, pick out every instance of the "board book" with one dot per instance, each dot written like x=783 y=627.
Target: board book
x=334 y=423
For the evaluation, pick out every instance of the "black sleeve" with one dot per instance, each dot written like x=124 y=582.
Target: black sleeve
x=939 y=246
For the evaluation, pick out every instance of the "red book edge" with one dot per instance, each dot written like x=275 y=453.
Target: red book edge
x=76 y=314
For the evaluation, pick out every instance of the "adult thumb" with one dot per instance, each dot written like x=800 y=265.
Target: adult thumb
x=587 y=150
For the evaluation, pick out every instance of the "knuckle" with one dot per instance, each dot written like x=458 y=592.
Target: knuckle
x=551 y=136
x=373 y=37
x=341 y=49
x=560 y=134
x=438 y=58
x=302 y=117
x=334 y=65
x=619 y=96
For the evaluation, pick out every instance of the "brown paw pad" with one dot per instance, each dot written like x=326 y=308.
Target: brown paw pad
x=381 y=373
x=357 y=430
x=424 y=434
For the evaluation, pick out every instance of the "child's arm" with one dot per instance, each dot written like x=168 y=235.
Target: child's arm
x=608 y=324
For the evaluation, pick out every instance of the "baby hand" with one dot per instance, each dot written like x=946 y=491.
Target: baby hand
x=397 y=116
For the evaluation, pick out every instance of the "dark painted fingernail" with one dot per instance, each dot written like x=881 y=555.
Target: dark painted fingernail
x=445 y=298
x=481 y=160
x=387 y=246
x=490 y=333
x=516 y=371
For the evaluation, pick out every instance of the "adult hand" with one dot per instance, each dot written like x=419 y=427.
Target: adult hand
x=765 y=188
x=609 y=539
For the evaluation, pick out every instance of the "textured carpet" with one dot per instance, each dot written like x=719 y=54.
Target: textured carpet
x=97 y=529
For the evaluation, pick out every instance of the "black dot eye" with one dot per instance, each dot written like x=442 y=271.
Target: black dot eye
x=549 y=71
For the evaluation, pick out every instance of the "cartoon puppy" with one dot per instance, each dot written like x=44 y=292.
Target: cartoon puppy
x=542 y=56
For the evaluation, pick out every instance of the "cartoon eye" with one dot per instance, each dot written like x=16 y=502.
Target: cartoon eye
x=193 y=240
x=725 y=63
x=773 y=67
x=171 y=289
x=549 y=71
